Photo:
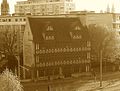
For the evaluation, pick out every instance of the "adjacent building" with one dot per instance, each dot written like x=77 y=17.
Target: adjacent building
x=56 y=46
x=44 y=7
x=14 y=28
x=13 y=23
x=116 y=22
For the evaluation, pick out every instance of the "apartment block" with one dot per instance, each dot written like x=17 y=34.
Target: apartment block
x=44 y=7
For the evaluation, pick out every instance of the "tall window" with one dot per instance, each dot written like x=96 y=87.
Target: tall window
x=37 y=58
x=88 y=55
x=88 y=43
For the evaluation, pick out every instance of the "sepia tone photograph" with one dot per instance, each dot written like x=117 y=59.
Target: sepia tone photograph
x=59 y=45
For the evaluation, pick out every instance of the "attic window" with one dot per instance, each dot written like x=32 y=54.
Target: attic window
x=48 y=37
x=75 y=36
x=77 y=28
x=49 y=28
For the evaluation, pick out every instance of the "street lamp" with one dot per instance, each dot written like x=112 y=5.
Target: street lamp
x=101 y=52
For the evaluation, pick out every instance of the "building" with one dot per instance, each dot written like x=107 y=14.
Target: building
x=19 y=23
x=44 y=7
x=13 y=23
x=56 y=46
x=116 y=22
x=15 y=26
x=4 y=8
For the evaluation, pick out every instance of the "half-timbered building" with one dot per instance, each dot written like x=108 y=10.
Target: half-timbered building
x=56 y=46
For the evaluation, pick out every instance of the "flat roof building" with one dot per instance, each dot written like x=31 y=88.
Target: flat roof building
x=44 y=7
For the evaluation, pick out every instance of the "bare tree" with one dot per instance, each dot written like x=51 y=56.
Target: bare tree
x=8 y=47
x=106 y=39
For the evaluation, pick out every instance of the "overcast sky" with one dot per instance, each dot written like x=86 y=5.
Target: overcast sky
x=96 y=5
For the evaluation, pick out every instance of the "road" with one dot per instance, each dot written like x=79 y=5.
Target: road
x=111 y=83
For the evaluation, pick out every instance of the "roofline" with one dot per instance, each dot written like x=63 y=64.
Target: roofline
x=10 y=16
x=50 y=17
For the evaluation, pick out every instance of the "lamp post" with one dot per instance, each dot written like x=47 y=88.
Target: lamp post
x=101 y=52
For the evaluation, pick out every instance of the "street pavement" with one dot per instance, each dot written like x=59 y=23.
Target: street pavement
x=111 y=82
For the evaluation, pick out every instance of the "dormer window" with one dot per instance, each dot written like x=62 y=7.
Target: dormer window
x=48 y=37
x=77 y=28
x=49 y=28
x=75 y=36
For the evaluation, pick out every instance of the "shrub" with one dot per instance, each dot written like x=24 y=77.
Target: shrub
x=9 y=82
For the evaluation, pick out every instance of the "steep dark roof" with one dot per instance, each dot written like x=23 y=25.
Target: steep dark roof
x=61 y=28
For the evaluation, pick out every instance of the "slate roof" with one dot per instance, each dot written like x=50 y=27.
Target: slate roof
x=61 y=31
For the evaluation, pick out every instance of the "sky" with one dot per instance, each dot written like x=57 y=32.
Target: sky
x=94 y=5
x=97 y=5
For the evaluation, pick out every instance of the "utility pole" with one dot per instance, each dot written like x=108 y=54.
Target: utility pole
x=101 y=51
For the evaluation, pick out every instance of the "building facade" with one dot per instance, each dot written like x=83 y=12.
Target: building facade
x=116 y=22
x=44 y=7
x=13 y=23
x=56 y=46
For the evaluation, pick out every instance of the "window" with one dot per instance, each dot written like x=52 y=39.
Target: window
x=47 y=64
x=88 y=55
x=119 y=26
x=88 y=43
x=71 y=49
x=74 y=49
x=52 y=51
x=79 y=49
x=56 y=50
x=49 y=28
x=24 y=19
x=43 y=51
x=64 y=50
x=40 y=51
x=114 y=25
x=16 y=20
x=77 y=28
x=49 y=37
x=70 y=61
x=37 y=46
x=37 y=59
x=20 y=19
x=9 y=20
x=77 y=37
x=67 y=49
x=3 y=20
x=119 y=17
